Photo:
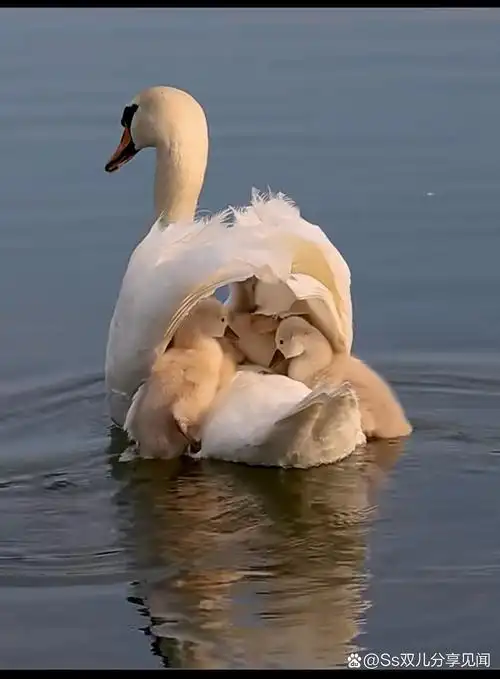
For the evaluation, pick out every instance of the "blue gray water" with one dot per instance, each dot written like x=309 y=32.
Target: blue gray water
x=383 y=126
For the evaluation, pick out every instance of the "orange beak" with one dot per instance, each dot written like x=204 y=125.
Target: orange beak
x=124 y=152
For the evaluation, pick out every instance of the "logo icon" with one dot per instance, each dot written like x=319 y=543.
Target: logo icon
x=354 y=660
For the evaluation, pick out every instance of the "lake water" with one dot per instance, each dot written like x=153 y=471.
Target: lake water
x=383 y=125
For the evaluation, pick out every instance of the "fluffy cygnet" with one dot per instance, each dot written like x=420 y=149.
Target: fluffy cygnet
x=255 y=338
x=312 y=361
x=183 y=383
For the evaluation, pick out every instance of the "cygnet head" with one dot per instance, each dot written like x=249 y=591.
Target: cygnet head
x=208 y=317
x=160 y=116
x=295 y=336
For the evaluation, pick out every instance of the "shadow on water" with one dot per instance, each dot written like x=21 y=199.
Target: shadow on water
x=248 y=567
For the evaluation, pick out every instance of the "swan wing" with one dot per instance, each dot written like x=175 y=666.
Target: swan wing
x=128 y=425
x=313 y=254
x=324 y=312
x=271 y=420
x=174 y=267
x=323 y=428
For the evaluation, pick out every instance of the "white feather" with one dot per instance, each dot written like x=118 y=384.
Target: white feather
x=277 y=214
x=166 y=269
x=270 y=420
x=129 y=420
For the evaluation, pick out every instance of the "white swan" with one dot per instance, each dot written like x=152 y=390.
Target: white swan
x=181 y=260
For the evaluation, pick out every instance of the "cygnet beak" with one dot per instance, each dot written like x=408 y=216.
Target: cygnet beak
x=276 y=359
x=230 y=334
x=124 y=152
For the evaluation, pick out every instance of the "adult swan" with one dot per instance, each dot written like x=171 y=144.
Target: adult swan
x=261 y=419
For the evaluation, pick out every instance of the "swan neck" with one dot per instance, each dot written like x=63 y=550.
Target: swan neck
x=178 y=180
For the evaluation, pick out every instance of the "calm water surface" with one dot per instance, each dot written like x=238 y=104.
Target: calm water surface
x=383 y=126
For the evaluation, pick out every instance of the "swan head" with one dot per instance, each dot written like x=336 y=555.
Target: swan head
x=208 y=317
x=160 y=117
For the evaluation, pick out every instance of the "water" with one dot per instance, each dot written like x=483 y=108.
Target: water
x=382 y=125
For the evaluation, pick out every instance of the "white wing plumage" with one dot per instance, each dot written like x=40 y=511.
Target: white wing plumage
x=128 y=425
x=170 y=270
x=314 y=255
x=270 y=420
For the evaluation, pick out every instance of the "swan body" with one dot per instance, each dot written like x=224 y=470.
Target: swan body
x=312 y=361
x=183 y=259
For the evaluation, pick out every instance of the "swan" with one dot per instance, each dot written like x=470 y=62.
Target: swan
x=312 y=361
x=183 y=259
x=168 y=409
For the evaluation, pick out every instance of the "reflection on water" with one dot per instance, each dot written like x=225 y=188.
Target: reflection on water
x=247 y=567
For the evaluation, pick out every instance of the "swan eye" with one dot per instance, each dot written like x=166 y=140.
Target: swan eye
x=223 y=319
x=128 y=114
x=282 y=342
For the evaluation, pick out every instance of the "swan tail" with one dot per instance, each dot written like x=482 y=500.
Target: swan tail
x=327 y=422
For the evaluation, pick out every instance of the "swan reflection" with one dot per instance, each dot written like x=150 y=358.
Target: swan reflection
x=250 y=567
